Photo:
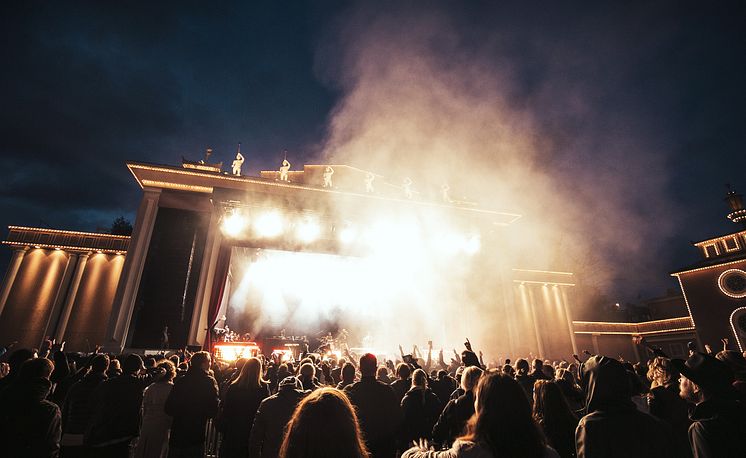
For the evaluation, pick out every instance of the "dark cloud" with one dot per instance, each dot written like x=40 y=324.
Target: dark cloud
x=88 y=85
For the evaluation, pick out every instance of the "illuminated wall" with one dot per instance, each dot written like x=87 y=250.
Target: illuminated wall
x=32 y=296
x=712 y=302
x=90 y=313
x=59 y=284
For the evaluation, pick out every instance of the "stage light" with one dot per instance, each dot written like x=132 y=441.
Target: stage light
x=269 y=224
x=234 y=224
x=347 y=235
x=472 y=244
x=308 y=231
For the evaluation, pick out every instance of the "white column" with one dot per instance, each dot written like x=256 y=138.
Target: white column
x=71 y=294
x=561 y=297
x=10 y=276
x=532 y=307
x=199 y=325
x=129 y=281
x=59 y=297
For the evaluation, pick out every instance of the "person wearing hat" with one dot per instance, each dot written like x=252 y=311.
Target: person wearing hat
x=273 y=414
x=719 y=419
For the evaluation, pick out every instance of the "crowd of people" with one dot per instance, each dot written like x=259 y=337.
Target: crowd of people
x=182 y=404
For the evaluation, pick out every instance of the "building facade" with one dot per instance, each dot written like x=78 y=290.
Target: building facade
x=165 y=285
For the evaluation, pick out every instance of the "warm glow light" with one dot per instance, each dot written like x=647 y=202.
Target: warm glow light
x=234 y=351
x=472 y=245
x=234 y=224
x=269 y=224
x=347 y=235
x=308 y=231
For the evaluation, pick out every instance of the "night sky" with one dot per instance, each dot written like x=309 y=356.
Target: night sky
x=87 y=86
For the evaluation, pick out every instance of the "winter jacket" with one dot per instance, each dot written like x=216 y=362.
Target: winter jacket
x=237 y=417
x=193 y=399
x=379 y=414
x=613 y=427
x=269 y=423
x=401 y=387
x=453 y=419
x=30 y=425
x=420 y=410
x=77 y=409
x=116 y=410
x=718 y=429
x=443 y=388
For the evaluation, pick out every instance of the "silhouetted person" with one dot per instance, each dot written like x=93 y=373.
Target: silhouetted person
x=324 y=425
x=78 y=410
x=377 y=408
x=403 y=383
x=458 y=411
x=153 y=442
x=501 y=427
x=241 y=403
x=273 y=415
x=552 y=413
x=719 y=419
x=30 y=426
x=115 y=423
x=420 y=410
x=192 y=401
x=613 y=426
x=348 y=376
x=666 y=404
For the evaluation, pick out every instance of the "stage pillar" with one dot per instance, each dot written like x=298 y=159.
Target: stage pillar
x=537 y=333
x=129 y=282
x=199 y=326
x=561 y=296
x=10 y=277
x=72 y=293
x=59 y=298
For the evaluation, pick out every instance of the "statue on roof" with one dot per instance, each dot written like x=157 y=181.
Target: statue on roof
x=408 y=188
x=238 y=162
x=328 y=172
x=369 y=178
x=284 y=168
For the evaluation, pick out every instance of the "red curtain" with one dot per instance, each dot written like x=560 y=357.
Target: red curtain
x=218 y=290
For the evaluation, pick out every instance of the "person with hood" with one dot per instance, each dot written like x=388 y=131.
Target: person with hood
x=719 y=419
x=377 y=408
x=30 y=426
x=273 y=415
x=613 y=426
x=420 y=410
x=457 y=412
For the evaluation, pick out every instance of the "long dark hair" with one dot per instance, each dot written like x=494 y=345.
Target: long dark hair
x=553 y=414
x=324 y=425
x=502 y=420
